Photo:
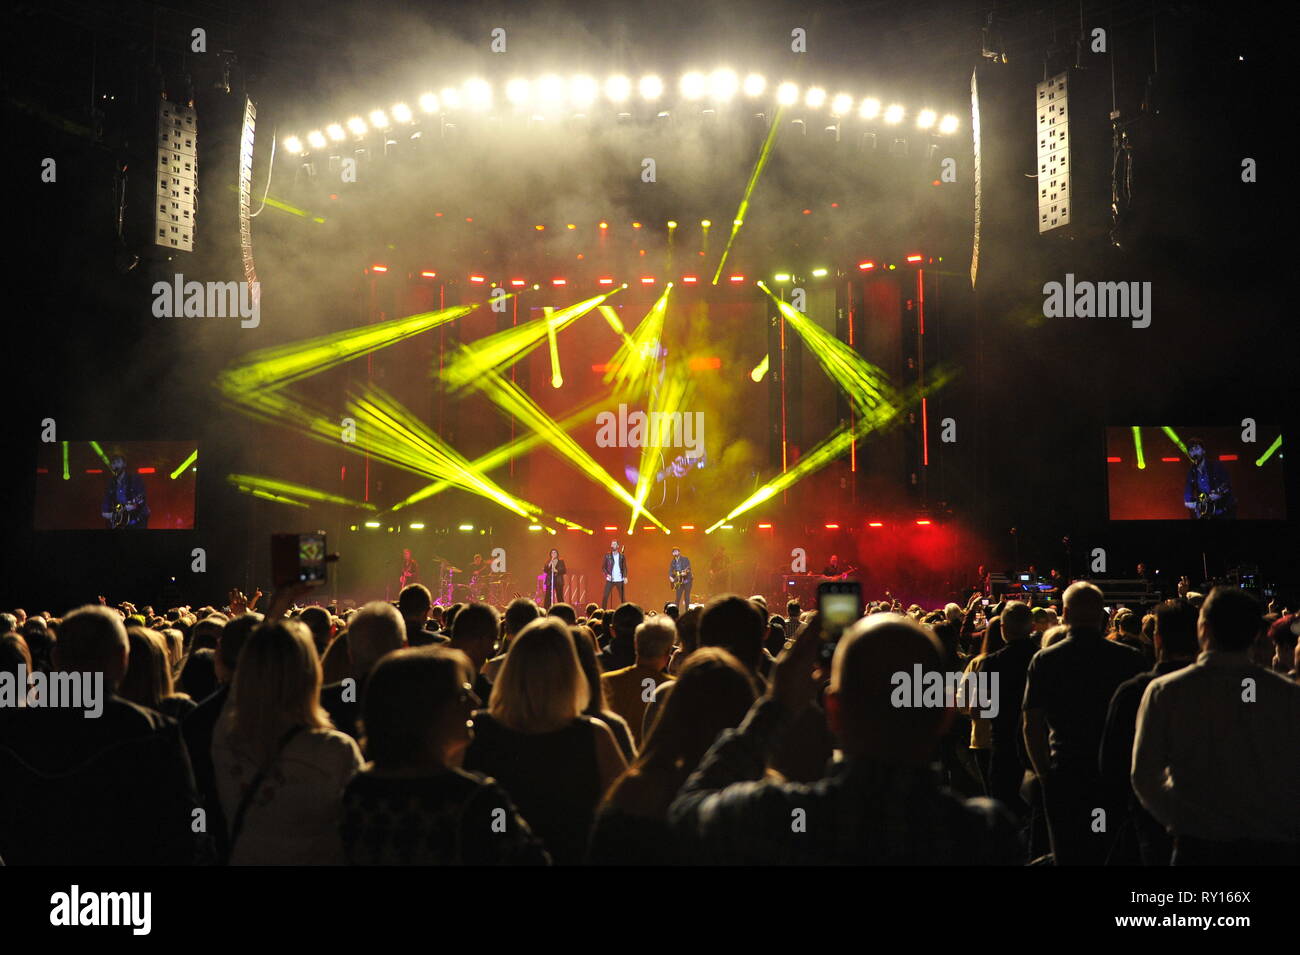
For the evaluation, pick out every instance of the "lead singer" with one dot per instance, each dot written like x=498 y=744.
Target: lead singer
x=554 y=583
x=615 y=574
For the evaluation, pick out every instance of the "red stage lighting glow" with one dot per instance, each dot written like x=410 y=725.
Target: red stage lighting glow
x=145 y=471
x=647 y=280
x=379 y=268
x=689 y=280
x=712 y=363
x=430 y=275
x=610 y=527
x=737 y=278
x=1227 y=457
x=1171 y=460
x=477 y=279
x=832 y=527
x=605 y=281
x=866 y=266
x=914 y=257
x=922 y=523
x=688 y=527
x=876 y=524
x=517 y=282
x=559 y=281
x=764 y=527
x=1113 y=460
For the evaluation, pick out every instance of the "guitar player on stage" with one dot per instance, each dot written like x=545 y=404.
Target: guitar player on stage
x=1207 y=493
x=124 y=500
x=681 y=577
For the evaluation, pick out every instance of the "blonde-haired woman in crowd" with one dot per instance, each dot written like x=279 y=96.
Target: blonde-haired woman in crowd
x=148 y=680
x=534 y=740
x=280 y=765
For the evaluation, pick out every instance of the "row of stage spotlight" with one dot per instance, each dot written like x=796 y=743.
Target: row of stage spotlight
x=417 y=526
x=478 y=278
x=551 y=96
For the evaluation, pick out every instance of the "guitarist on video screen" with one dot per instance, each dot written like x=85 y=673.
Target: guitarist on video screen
x=1208 y=491
x=124 y=500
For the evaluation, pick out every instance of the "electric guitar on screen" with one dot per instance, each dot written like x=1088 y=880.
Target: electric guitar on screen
x=121 y=517
x=1216 y=506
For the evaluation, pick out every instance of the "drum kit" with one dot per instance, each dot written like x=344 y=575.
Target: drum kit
x=480 y=585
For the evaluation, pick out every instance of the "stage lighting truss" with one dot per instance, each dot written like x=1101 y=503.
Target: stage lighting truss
x=553 y=97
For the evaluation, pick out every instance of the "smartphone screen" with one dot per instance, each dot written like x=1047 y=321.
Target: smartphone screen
x=840 y=605
x=298 y=558
x=311 y=557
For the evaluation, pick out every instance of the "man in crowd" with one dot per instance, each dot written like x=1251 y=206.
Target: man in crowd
x=879 y=805
x=629 y=690
x=1068 y=689
x=1215 y=758
x=375 y=629
x=1175 y=648
x=82 y=788
x=474 y=633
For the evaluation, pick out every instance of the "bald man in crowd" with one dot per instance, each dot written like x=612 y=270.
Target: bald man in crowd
x=376 y=629
x=882 y=804
x=1067 y=695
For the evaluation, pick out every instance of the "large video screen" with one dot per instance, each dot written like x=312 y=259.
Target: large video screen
x=1195 y=473
x=126 y=485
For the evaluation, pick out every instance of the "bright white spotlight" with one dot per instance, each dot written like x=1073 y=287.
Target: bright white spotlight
x=429 y=103
x=754 y=85
x=402 y=113
x=316 y=139
x=650 y=87
x=478 y=94
x=925 y=119
x=517 y=91
x=582 y=90
x=894 y=114
x=815 y=97
x=693 y=85
x=841 y=104
x=870 y=108
x=550 y=91
x=357 y=126
x=787 y=94
x=618 y=89
x=335 y=132
x=723 y=85
x=293 y=144
x=450 y=98
x=378 y=119
x=948 y=125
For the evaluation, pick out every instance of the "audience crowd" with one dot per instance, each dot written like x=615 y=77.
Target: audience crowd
x=413 y=733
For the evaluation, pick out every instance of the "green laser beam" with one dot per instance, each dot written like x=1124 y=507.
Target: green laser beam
x=764 y=154
x=194 y=456
x=1137 y=448
x=1272 y=449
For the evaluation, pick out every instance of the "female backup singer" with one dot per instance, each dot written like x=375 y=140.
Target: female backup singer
x=553 y=586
